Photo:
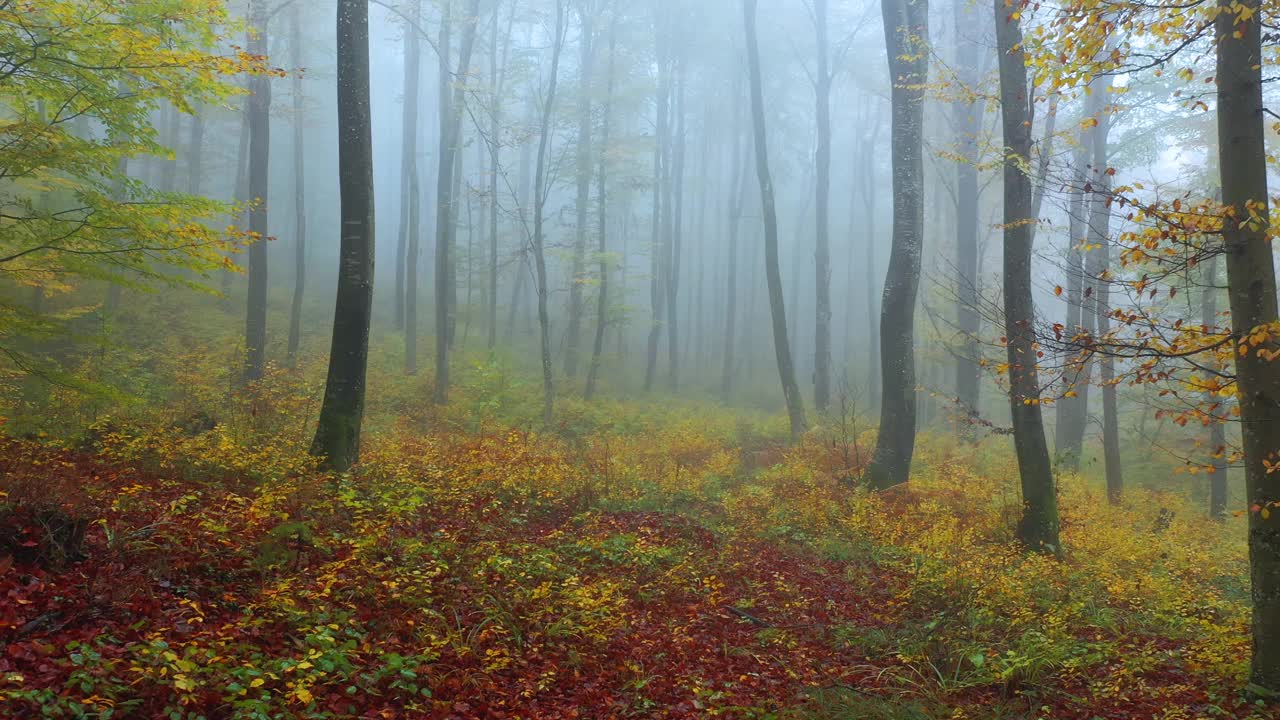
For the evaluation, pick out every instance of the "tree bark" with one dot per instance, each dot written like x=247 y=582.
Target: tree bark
x=1217 y=425
x=497 y=80
x=737 y=193
x=573 y=339
x=255 y=323
x=661 y=209
x=337 y=439
x=1251 y=287
x=602 y=215
x=446 y=181
x=540 y=195
x=195 y=152
x=1038 y=528
x=299 y=191
x=782 y=350
x=906 y=31
x=409 y=197
x=1073 y=408
x=1099 y=235
x=967 y=115
x=675 y=235
x=822 y=253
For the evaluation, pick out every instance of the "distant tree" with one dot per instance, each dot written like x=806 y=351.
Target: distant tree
x=337 y=440
x=822 y=252
x=674 y=224
x=782 y=350
x=299 y=187
x=259 y=120
x=542 y=188
x=602 y=212
x=967 y=111
x=1097 y=267
x=573 y=338
x=446 y=184
x=659 y=252
x=410 y=195
x=737 y=194
x=1073 y=407
x=1217 y=424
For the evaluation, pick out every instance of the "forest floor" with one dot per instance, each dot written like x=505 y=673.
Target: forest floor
x=677 y=569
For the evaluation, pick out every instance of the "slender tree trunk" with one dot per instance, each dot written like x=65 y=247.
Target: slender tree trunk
x=299 y=192
x=906 y=29
x=169 y=138
x=657 y=281
x=540 y=196
x=573 y=339
x=1252 y=291
x=337 y=439
x=1217 y=426
x=497 y=80
x=524 y=267
x=1072 y=409
x=786 y=370
x=822 y=255
x=409 y=199
x=675 y=238
x=446 y=181
x=737 y=193
x=602 y=215
x=1042 y=164
x=869 y=281
x=968 y=126
x=1099 y=234
x=195 y=153
x=241 y=190
x=1038 y=528
x=255 y=324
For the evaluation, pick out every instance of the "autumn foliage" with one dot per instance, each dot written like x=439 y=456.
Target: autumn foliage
x=636 y=562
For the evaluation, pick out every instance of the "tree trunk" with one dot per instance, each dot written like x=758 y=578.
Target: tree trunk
x=1038 y=528
x=737 y=193
x=1072 y=409
x=577 y=275
x=241 y=192
x=497 y=80
x=446 y=181
x=782 y=350
x=195 y=152
x=968 y=121
x=1099 y=234
x=1042 y=164
x=675 y=236
x=602 y=216
x=661 y=210
x=409 y=198
x=255 y=323
x=524 y=268
x=1251 y=287
x=299 y=192
x=906 y=30
x=869 y=269
x=337 y=438
x=822 y=254
x=540 y=196
x=1217 y=425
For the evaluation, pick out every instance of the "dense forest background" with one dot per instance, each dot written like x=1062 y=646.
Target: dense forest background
x=581 y=358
